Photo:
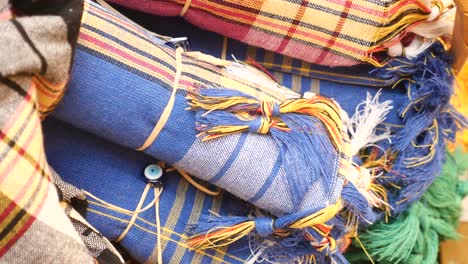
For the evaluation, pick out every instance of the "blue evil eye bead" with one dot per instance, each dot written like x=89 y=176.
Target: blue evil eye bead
x=153 y=172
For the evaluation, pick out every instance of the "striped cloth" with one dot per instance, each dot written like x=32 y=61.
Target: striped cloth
x=123 y=100
x=332 y=32
x=349 y=86
x=128 y=57
x=35 y=58
x=227 y=48
x=120 y=181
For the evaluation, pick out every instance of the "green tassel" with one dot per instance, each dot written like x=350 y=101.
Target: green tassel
x=414 y=236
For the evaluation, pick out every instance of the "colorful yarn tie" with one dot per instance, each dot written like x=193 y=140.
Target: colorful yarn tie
x=310 y=121
x=222 y=231
x=264 y=114
x=264 y=226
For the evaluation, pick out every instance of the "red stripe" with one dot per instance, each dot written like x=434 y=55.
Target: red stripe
x=20 y=152
x=123 y=54
x=20 y=194
x=325 y=40
x=256 y=64
x=292 y=29
x=286 y=28
x=18 y=111
x=26 y=225
x=213 y=9
x=336 y=33
x=301 y=49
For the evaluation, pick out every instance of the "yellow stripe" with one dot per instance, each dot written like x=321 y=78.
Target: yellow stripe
x=112 y=17
x=176 y=209
x=193 y=218
x=221 y=251
x=215 y=208
x=24 y=165
x=164 y=238
x=314 y=14
x=290 y=68
x=133 y=54
x=20 y=119
x=224 y=81
x=123 y=35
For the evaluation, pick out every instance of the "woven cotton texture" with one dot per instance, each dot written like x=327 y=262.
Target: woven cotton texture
x=125 y=98
x=349 y=86
x=121 y=181
x=33 y=74
x=227 y=48
x=333 y=32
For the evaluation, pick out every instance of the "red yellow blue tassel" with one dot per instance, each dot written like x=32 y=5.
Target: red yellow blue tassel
x=221 y=231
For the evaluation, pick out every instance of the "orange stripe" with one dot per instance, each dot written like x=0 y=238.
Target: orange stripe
x=54 y=88
x=43 y=90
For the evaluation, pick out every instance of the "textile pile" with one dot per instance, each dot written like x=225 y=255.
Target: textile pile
x=315 y=133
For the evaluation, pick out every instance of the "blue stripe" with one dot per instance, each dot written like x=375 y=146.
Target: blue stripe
x=231 y=159
x=84 y=49
x=278 y=59
x=287 y=80
x=296 y=63
x=266 y=185
x=305 y=84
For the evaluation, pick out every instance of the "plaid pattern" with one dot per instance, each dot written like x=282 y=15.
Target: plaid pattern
x=220 y=46
x=347 y=85
x=35 y=53
x=332 y=32
x=120 y=181
x=128 y=56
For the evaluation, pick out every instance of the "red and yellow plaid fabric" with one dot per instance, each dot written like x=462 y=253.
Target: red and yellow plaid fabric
x=328 y=32
x=35 y=60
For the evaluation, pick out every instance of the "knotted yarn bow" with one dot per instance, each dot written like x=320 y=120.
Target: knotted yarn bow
x=308 y=133
x=223 y=112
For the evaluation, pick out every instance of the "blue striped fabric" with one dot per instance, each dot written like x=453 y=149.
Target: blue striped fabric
x=122 y=101
x=121 y=82
x=115 y=174
x=349 y=86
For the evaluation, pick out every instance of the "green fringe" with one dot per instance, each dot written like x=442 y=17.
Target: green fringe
x=414 y=236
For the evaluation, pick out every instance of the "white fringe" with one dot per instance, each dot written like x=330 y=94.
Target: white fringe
x=362 y=126
x=417 y=46
x=439 y=27
x=246 y=72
